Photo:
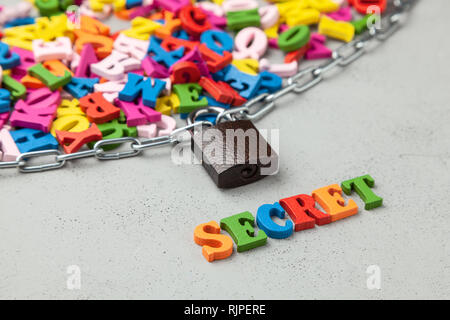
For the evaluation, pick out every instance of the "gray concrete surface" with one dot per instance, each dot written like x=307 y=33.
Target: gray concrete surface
x=129 y=224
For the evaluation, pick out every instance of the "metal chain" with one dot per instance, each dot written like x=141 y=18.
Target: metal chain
x=299 y=83
x=135 y=147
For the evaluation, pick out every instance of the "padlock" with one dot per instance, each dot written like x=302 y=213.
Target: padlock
x=234 y=153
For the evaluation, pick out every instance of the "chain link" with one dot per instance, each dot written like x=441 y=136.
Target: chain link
x=261 y=105
x=25 y=157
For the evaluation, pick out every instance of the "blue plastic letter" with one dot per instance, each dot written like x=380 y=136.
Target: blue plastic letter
x=212 y=39
x=272 y=229
x=28 y=140
x=136 y=84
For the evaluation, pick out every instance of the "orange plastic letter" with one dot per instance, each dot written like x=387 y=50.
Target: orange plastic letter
x=215 y=245
x=330 y=199
x=94 y=26
x=103 y=45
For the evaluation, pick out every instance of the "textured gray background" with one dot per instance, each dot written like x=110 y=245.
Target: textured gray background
x=129 y=224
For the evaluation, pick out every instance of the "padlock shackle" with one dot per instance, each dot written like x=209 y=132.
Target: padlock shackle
x=192 y=117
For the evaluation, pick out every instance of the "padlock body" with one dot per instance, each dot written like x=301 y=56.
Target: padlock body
x=234 y=153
